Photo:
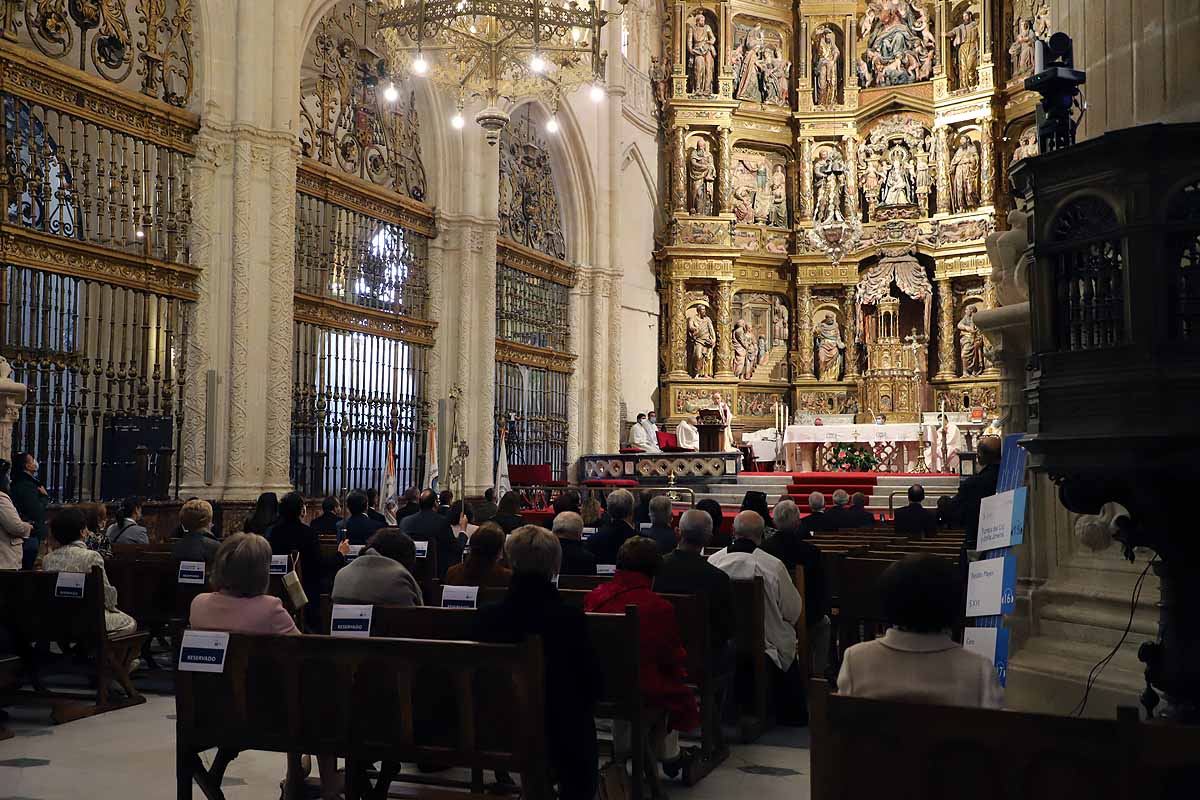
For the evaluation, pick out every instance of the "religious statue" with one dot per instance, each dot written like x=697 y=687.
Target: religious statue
x=778 y=215
x=971 y=343
x=830 y=348
x=660 y=79
x=964 y=37
x=751 y=360
x=1022 y=48
x=746 y=65
x=702 y=50
x=743 y=205
x=899 y=47
x=702 y=338
x=779 y=321
x=923 y=170
x=775 y=71
x=899 y=179
x=826 y=75
x=964 y=177
x=741 y=347
x=701 y=173
x=830 y=177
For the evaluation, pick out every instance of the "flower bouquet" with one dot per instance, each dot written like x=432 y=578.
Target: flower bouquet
x=853 y=458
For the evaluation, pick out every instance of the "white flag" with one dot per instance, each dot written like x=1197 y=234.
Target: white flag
x=389 y=476
x=503 y=484
x=431 y=459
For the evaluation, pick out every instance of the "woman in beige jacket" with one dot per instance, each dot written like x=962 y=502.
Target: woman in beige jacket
x=13 y=530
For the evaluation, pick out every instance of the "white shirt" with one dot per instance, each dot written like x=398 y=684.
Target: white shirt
x=687 y=435
x=782 y=603
x=919 y=668
x=640 y=437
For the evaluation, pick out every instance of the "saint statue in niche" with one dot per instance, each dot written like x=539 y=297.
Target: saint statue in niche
x=1022 y=49
x=899 y=179
x=746 y=66
x=971 y=343
x=899 y=47
x=964 y=177
x=702 y=338
x=743 y=361
x=826 y=75
x=702 y=51
x=701 y=173
x=830 y=348
x=964 y=38
x=779 y=321
x=778 y=215
x=830 y=177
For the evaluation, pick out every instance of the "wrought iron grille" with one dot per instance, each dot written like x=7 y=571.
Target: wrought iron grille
x=1089 y=277
x=531 y=310
x=355 y=258
x=1183 y=260
x=531 y=406
x=105 y=375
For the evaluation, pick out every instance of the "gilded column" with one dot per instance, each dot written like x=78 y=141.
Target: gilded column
x=724 y=326
x=804 y=331
x=850 y=334
x=987 y=160
x=677 y=330
x=941 y=142
x=947 y=365
x=679 y=171
x=725 y=171
x=850 y=151
x=805 y=207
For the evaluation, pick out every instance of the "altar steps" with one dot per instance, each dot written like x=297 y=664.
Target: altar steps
x=798 y=485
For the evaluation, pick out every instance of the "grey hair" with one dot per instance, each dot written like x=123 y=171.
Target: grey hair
x=749 y=525
x=568 y=524
x=620 y=504
x=816 y=501
x=695 y=527
x=859 y=500
x=242 y=565
x=786 y=515
x=533 y=550
x=660 y=510
x=840 y=497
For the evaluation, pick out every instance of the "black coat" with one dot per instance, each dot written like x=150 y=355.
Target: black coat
x=818 y=521
x=685 y=572
x=195 y=546
x=358 y=528
x=509 y=522
x=843 y=517
x=915 y=520
x=325 y=524
x=532 y=607
x=605 y=543
x=577 y=559
x=793 y=550
x=286 y=537
x=430 y=526
x=30 y=503
x=663 y=536
x=970 y=494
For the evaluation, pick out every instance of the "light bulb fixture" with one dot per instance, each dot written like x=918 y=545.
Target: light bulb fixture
x=552 y=125
x=390 y=93
x=537 y=63
x=596 y=93
x=457 y=121
x=419 y=65
x=141 y=234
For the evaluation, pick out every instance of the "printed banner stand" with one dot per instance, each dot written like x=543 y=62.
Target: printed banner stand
x=203 y=651
x=191 y=572
x=460 y=596
x=606 y=569
x=991 y=586
x=351 y=620
x=992 y=644
x=1002 y=519
x=279 y=564
x=422 y=549
x=69 y=584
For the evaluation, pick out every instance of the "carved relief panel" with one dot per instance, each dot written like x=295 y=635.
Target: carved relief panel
x=897 y=168
x=760 y=336
x=760 y=184
x=1027 y=22
x=759 y=57
x=896 y=43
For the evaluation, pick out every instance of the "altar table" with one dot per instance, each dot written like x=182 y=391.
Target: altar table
x=898 y=451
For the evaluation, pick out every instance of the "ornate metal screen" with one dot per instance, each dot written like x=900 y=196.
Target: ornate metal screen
x=96 y=284
x=1089 y=276
x=531 y=405
x=531 y=310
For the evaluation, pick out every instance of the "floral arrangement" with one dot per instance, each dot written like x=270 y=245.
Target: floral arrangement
x=853 y=458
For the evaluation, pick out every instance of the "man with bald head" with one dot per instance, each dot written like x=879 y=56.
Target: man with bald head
x=685 y=571
x=745 y=559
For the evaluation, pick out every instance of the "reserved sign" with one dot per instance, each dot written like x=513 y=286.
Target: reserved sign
x=279 y=565
x=606 y=569
x=191 y=572
x=69 y=584
x=351 y=620
x=422 y=549
x=460 y=596
x=203 y=651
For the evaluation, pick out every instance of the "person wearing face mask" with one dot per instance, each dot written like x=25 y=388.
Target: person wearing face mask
x=30 y=498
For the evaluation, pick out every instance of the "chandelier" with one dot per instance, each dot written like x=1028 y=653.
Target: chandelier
x=498 y=50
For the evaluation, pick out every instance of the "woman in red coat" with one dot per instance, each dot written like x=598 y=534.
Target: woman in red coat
x=662 y=655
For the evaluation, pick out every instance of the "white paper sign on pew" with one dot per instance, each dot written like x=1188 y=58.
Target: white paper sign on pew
x=69 y=584
x=645 y=526
x=351 y=620
x=992 y=644
x=1002 y=520
x=203 y=651
x=279 y=564
x=422 y=549
x=589 y=533
x=191 y=572
x=606 y=569
x=460 y=597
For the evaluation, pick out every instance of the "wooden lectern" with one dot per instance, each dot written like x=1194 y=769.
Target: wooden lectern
x=711 y=428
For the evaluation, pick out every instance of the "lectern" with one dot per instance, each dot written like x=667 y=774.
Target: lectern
x=712 y=428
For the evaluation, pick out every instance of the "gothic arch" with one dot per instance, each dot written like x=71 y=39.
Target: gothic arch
x=633 y=155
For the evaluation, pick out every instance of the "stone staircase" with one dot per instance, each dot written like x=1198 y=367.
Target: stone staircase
x=775 y=356
x=775 y=486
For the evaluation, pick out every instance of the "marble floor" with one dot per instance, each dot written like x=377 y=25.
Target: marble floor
x=131 y=754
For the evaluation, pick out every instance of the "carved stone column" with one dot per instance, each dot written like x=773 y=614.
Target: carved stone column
x=942 y=144
x=724 y=326
x=804 y=332
x=850 y=152
x=12 y=397
x=725 y=172
x=987 y=161
x=804 y=207
x=677 y=330
x=850 y=334
x=679 y=171
x=947 y=364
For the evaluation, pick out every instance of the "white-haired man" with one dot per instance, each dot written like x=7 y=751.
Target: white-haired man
x=790 y=545
x=817 y=519
x=745 y=559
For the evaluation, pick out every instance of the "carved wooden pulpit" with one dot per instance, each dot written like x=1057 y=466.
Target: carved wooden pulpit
x=711 y=427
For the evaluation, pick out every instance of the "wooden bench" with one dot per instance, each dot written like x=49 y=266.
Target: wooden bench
x=35 y=617
x=363 y=699
x=749 y=614
x=10 y=678
x=907 y=751
x=148 y=589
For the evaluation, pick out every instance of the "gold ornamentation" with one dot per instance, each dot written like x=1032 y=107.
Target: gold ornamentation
x=529 y=205
x=531 y=262
x=356 y=319
x=516 y=353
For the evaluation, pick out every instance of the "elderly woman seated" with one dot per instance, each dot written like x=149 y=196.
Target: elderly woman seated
x=68 y=553
x=916 y=660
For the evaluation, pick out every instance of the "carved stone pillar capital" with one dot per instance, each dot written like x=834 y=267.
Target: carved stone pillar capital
x=724 y=326
x=946 y=362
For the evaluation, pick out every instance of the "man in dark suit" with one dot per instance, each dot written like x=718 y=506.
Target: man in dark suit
x=857 y=515
x=427 y=525
x=608 y=540
x=914 y=519
x=817 y=520
x=790 y=545
x=408 y=505
x=373 y=506
x=660 y=529
x=486 y=510
x=577 y=559
x=978 y=486
x=841 y=507
x=686 y=571
x=358 y=527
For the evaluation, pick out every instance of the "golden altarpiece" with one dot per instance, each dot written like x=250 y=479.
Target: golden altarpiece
x=834 y=169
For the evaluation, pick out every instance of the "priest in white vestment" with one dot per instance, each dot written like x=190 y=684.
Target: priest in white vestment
x=687 y=434
x=944 y=433
x=641 y=437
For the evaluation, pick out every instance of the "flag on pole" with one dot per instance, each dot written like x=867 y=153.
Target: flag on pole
x=502 y=483
x=431 y=459
x=389 y=476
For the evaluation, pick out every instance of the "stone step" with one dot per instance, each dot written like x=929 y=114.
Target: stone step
x=928 y=481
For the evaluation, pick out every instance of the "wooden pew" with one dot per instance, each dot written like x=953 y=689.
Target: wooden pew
x=873 y=748
x=148 y=589
x=32 y=614
x=360 y=698
x=10 y=678
x=750 y=643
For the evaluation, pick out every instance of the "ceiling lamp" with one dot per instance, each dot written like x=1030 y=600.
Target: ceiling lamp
x=498 y=51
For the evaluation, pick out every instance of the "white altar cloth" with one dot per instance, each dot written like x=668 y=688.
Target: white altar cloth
x=869 y=432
